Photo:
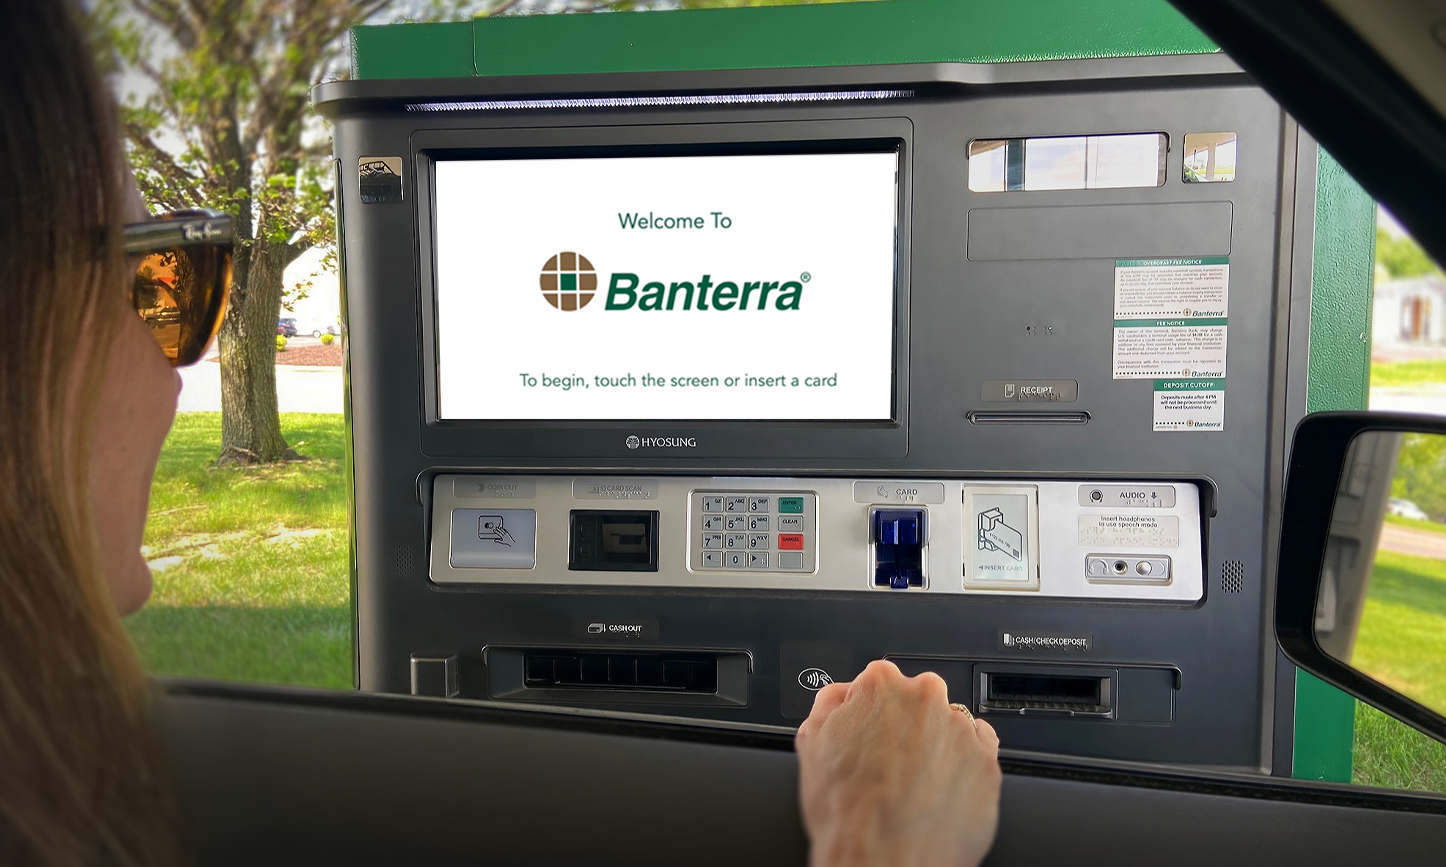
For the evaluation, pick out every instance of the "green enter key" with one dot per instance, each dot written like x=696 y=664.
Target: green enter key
x=790 y=505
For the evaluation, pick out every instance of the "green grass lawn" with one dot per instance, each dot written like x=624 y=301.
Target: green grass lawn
x=250 y=565
x=1394 y=755
x=1402 y=643
x=1420 y=373
x=1402 y=637
x=1416 y=524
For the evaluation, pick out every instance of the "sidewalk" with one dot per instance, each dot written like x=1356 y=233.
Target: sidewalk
x=298 y=388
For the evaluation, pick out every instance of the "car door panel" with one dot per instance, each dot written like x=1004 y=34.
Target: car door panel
x=293 y=776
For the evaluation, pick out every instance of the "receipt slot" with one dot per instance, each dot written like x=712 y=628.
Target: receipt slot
x=689 y=392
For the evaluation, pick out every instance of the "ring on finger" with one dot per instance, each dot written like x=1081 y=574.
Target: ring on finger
x=962 y=708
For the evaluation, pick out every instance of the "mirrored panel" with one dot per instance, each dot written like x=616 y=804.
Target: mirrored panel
x=1210 y=157
x=1084 y=162
x=1381 y=608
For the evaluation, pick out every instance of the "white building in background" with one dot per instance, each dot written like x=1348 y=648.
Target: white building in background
x=1409 y=312
x=319 y=311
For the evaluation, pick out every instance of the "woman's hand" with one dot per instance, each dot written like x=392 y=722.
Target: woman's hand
x=889 y=774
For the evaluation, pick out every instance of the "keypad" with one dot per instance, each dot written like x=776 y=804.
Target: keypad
x=764 y=532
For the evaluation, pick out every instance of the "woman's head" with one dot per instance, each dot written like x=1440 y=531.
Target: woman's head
x=85 y=400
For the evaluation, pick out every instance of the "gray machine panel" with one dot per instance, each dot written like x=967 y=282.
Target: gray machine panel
x=1057 y=538
x=1011 y=317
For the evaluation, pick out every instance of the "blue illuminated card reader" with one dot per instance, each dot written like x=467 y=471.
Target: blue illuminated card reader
x=898 y=541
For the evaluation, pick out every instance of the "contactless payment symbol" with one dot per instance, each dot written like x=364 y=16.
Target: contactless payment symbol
x=569 y=281
x=814 y=679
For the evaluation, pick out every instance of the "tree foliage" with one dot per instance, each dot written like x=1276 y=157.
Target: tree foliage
x=1402 y=257
x=217 y=115
x=1421 y=473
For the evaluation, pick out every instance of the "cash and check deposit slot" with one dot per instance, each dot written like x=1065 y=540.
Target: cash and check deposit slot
x=690 y=404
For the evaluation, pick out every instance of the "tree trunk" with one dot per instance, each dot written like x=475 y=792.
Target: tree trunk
x=250 y=424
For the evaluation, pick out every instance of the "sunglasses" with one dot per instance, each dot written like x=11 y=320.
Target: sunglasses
x=183 y=279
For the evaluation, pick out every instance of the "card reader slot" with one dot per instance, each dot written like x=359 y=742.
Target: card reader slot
x=609 y=540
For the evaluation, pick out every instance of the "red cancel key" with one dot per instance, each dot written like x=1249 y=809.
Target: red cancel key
x=790 y=541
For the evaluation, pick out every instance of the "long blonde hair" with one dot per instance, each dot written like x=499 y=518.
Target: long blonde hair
x=80 y=778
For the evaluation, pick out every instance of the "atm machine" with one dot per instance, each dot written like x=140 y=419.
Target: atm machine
x=688 y=393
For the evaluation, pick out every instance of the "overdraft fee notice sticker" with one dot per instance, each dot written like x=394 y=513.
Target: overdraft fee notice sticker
x=1171 y=326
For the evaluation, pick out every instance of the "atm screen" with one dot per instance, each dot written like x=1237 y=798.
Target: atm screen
x=701 y=287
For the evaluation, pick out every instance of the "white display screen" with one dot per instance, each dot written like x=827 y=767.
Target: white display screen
x=667 y=287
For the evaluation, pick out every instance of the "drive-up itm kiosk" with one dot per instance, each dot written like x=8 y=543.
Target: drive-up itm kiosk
x=690 y=392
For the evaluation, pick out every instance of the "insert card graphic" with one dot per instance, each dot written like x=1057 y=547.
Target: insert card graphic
x=995 y=535
x=1002 y=523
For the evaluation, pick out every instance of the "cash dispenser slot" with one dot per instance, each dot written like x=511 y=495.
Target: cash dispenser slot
x=617 y=675
x=685 y=673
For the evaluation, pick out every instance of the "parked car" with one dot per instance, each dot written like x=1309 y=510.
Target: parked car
x=1406 y=509
x=286 y=326
x=318 y=327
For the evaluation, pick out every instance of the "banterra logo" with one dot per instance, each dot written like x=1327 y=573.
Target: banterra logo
x=636 y=442
x=569 y=282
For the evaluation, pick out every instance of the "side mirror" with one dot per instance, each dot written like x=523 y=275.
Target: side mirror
x=1361 y=586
